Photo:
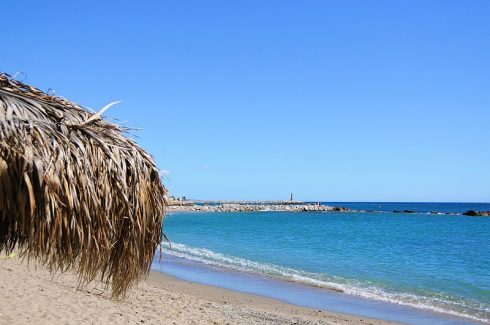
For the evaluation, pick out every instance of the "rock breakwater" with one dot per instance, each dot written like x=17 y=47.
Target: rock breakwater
x=256 y=207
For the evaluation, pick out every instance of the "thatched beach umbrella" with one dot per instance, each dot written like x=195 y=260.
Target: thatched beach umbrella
x=75 y=193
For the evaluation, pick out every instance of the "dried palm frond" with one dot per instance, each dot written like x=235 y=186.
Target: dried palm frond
x=75 y=193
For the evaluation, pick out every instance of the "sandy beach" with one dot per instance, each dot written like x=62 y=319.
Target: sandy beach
x=30 y=295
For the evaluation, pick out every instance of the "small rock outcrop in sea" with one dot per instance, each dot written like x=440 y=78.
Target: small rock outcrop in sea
x=404 y=211
x=473 y=213
x=341 y=209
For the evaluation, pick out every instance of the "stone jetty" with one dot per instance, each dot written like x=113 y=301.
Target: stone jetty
x=253 y=207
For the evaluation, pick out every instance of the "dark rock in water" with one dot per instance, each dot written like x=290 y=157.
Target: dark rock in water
x=473 y=213
x=340 y=209
x=408 y=211
x=434 y=212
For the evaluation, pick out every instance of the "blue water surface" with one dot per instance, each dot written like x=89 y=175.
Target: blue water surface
x=436 y=262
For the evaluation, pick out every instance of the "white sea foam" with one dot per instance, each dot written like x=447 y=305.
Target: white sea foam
x=432 y=301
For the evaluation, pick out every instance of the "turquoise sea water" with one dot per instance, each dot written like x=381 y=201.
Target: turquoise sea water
x=434 y=262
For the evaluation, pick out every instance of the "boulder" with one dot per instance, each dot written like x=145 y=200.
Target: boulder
x=340 y=209
x=472 y=213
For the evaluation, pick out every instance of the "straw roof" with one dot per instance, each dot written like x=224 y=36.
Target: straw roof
x=75 y=193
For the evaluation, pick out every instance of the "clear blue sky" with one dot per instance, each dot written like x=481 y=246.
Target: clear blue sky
x=331 y=100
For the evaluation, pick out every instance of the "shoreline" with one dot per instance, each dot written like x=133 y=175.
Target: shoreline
x=221 y=295
x=304 y=294
x=30 y=294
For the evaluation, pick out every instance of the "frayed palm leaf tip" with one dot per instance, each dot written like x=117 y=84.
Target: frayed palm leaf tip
x=75 y=193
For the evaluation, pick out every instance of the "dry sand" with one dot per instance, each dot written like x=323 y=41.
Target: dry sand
x=30 y=295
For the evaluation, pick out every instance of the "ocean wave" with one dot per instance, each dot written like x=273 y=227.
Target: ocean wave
x=434 y=301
